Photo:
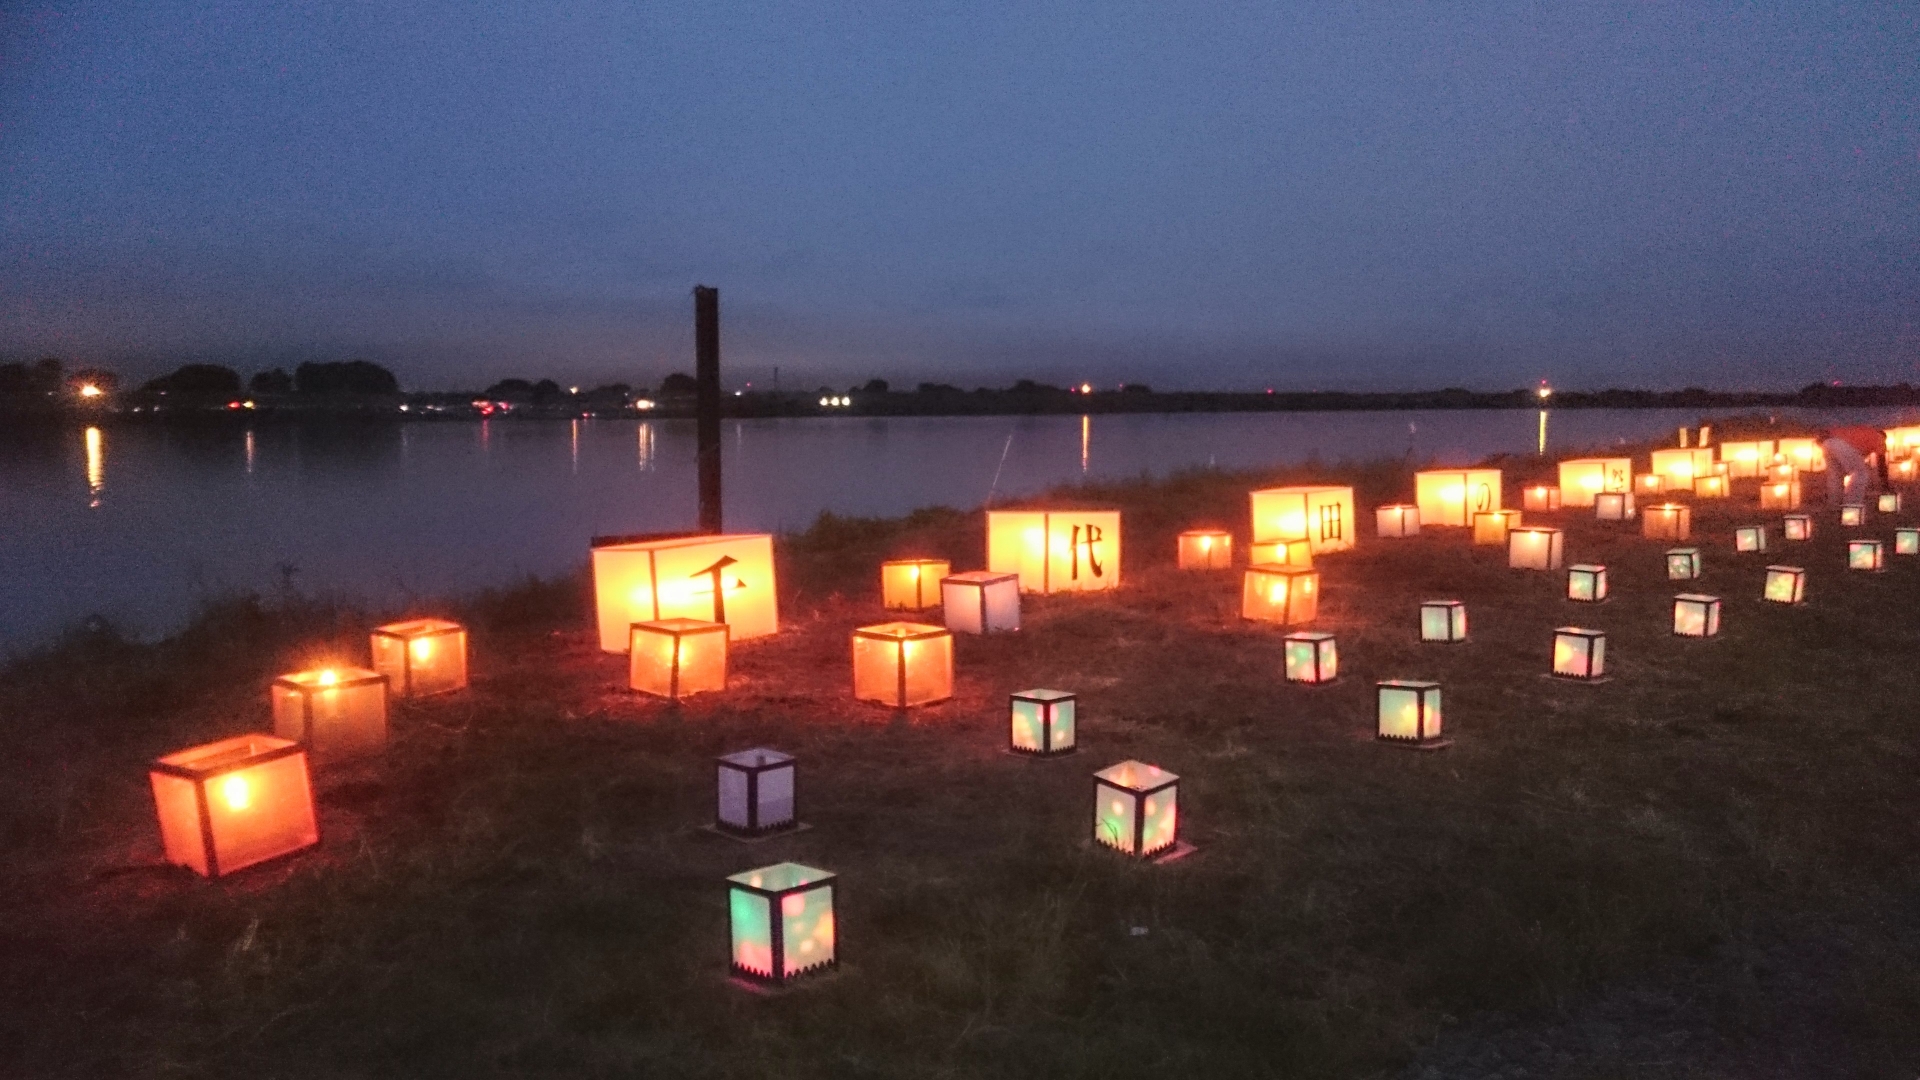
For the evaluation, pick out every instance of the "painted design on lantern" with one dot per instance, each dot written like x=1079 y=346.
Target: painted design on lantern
x=1136 y=808
x=1906 y=541
x=725 y=578
x=806 y=924
x=1683 y=564
x=1587 y=583
x=1056 y=551
x=1453 y=496
x=1579 y=653
x=1865 y=555
x=1695 y=615
x=1042 y=721
x=1401 y=716
x=1443 y=620
x=1785 y=584
x=1310 y=658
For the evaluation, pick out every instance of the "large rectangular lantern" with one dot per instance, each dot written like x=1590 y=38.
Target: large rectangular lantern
x=1889 y=502
x=1534 y=548
x=1443 y=621
x=1695 y=615
x=1583 y=478
x=1681 y=467
x=1322 y=516
x=1310 y=657
x=1711 y=486
x=1452 y=496
x=1853 y=515
x=1056 y=550
x=1683 y=563
x=782 y=921
x=675 y=658
x=1668 y=521
x=421 y=656
x=1807 y=455
x=1750 y=538
x=1613 y=506
x=1906 y=541
x=727 y=578
x=1746 y=460
x=1407 y=711
x=1540 y=498
x=1785 y=585
x=1586 y=583
x=1780 y=494
x=1280 y=594
x=1579 y=653
x=980 y=602
x=1866 y=555
x=1902 y=442
x=233 y=803
x=756 y=792
x=903 y=664
x=1041 y=722
x=335 y=712
x=1205 y=549
x=1136 y=808
x=1397 y=519
x=912 y=584
x=1281 y=552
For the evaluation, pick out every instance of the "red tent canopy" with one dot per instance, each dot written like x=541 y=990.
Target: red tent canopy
x=1864 y=439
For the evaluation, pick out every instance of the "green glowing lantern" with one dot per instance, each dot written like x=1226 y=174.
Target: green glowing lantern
x=1042 y=722
x=1311 y=657
x=782 y=919
x=1683 y=563
x=1586 y=583
x=1906 y=541
x=1695 y=615
x=1889 y=502
x=1797 y=527
x=1136 y=808
x=1869 y=555
x=1408 y=711
x=1579 y=654
x=1750 y=538
x=1443 y=620
x=1853 y=515
x=1785 y=585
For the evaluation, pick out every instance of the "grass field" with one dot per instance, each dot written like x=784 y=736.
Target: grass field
x=1706 y=867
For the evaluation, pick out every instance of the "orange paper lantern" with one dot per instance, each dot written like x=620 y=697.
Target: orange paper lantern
x=912 y=584
x=1280 y=594
x=1205 y=549
x=676 y=658
x=420 y=657
x=903 y=664
x=1322 y=516
x=335 y=712
x=1056 y=550
x=231 y=804
x=726 y=579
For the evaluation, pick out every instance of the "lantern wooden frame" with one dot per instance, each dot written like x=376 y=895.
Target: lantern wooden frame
x=1136 y=809
x=1650 y=484
x=1535 y=548
x=1280 y=553
x=1204 y=549
x=1696 y=616
x=1310 y=657
x=1906 y=541
x=726 y=578
x=1711 y=486
x=980 y=602
x=1681 y=467
x=1867 y=555
x=1056 y=551
x=1853 y=515
x=1683 y=563
x=1296 y=601
x=1540 y=498
x=227 y=805
x=1042 y=723
x=1797 y=527
x=1451 y=496
x=1491 y=527
x=1750 y=538
x=1747 y=459
x=335 y=712
x=756 y=793
x=1396 y=520
x=912 y=584
x=1806 y=455
x=1785 y=585
x=1780 y=494
x=1781 y=471
x=1587 y=583
x=1667 y=521
x=1613 y=506
x=903 y=664
x=1322 y=515
x=1407 y=712
x=782 y=922
x=1581 y=479
x=677 y=658
x=1888 y=502
x=1579 y=654
x=1443 y=621
x=421 y=657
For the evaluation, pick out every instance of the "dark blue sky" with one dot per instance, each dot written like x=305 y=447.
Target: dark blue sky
x=1196 y=194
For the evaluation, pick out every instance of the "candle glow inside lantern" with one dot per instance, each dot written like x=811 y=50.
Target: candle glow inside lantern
x=1613 y=506
x=1397 y=519
x=229 y=804
x=1866 y=555
x=726 y=579
x=1853 y=515
x=335 y=712
x=1785 y=585
x=1539 y=498
x=1042 y=722
x=1710 y=487
x=1205 y=549
x=1797 y=527
x=1780 y=494
x=421 y=656
x=1650 y=484
x=1407 y=711
x=1583 y=478
x=980 y=602
x=1586 y=583
x=1695 y=615
x=912 y=584
x=1534 y=548
x=756 y=792
x=1443 y=621
x=1579 y=653
x=1310 y=657
x=1903 y=471
x=1280 y=552
x=1682 y=466
x=1492 y=526
x=1746 y=460
x=1453 y=496
x=1668 y=521
x=1807 y=455
x=1683 y=563
x=782 y=920
x=1056 y=550
x=1781 y=470
x=676 y=658
x=1136 y=808
x=902 y=664
x=1322 y=516
x=1902 y=442
x=1889 y=502
x=1750 y=538
x=1280 y=594
x=1906 y=541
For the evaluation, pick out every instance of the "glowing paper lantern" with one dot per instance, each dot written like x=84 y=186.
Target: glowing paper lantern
x=1534 y=548
x=782 y=918
x=1281 y=552
x=1781 y=472
x=1453 y=496
x=1280 y=594
x=230 y=804
x=1649 y=484
x=1056 y=550
x=1311 y=657
x=1683 y=563
x=1540 y=498
x=1042 y=722
x=1750 y=538
x=1710 y=487
x=1397 y=519
x=1583 y=478
x=1866 y=555
x=1853 y=515
x=727 y=579
x=676 y=658
x=1668 y=521
x=421 y=656
x=1780 y=495
x=1205 y=549
x=1785 y=585
x=1904 y=471
x=1746 y=460
x=1613 y=506
x=980 y=602
x=1695 y=615
x=1586 y=583
x=1579 y=653
x=912 y=584
x=1491 y=526
x=902 y=664
x=1443 y=621
x=1797 y=527
x=1807 y=455
x=756 y=792
x=335 y=712
x=1407 y=711
x=1322 y=516
x=1902 y=442
x=1906 y=541
x=1680 y=467
x=1136 y=808
x=1889 y=502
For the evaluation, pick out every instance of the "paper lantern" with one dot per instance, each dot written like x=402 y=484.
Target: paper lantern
x=1866 y=555
x=1056 y=550
x=1042 y=722
x=1540 y=498
x=1668 y=521
x=1746 y=460
x=1695 y=615
x=1785 y=585
x=1613 y=506
x=1407 y=711
x=1681 y=467
x=335 y=712
x=1322 y=516
x=1904 y=471
x=727 y=579
x=1889 y=502
x=902 y=664
x=1906 y=541
x=421 y=656
x=782 y=919
x=1807 y=455
x=230 y=804
x=1710 y=487
x=1586 y=583
x=912 y=584
x=1902 y=442
x=1534 y=548
x=1443 y=621
x=1583 y=478
x=1683 y=563
x=1205 y=549
x=1280 y=552
x=1853 y=515
x=980 y=602
x=1781 y=472
x=1649 y=484
x=1579 y=653
x=756 y=792
x=1397 y=519
x=1780 y=495
x=1452 y=496
x=1491 y=526
x=1750 y=538
x=1797 y=527
x=676 y=658
x=1136 y=808
x=1280 y=594
x=1310 y=657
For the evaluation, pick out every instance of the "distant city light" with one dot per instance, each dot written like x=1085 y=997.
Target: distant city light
x=89 y=390
x=1545 y=391
x=643 y=404
x=1086 y=388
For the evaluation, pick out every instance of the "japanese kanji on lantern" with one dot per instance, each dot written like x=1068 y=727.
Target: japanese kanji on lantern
x=1453 y=496
x=724 y=579
x=1322 y=516
x=1056 y=551
x=1583 y=478
x=1746 y=460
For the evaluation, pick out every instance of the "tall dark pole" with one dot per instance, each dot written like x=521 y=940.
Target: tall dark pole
x=706 y=373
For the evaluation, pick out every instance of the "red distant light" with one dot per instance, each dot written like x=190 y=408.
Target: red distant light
x=233 y=404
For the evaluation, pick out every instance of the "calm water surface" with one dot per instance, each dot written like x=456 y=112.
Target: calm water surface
x=142 y=524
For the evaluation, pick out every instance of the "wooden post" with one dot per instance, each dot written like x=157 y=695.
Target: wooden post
x=706 y=376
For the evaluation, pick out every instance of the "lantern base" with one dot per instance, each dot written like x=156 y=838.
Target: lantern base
x=1335 y=681
x=1575 y=680
x=1040 y=755
x=756 y=837
x=1416 y=744
x=771 y=988
x=1445 y=641
x=1588 y=603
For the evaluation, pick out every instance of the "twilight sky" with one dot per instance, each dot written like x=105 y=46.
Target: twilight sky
x=1200 y=194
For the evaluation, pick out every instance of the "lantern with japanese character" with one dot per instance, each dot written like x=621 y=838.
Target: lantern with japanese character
x=1322 y=516
x=1056 y=550
x=756 y=792
x=1866 y=555
x=1586 y=583
x=1853 y=515
x=1668 y=521
x=335 y=712
x=1889 y=502
x=1205 y=549
x=1281 y=552
x=1453 y=496
x=1746 y=460
x=1780 y=494
x=1491 y=526
x=675 y=658
x=230 y=804
x=421 y=656
x=1711 y=487
x=1695 y=615
x=903 y=664
x=1797 y=527
x=1280 y=594
x=1408 y=711
x=1683 y=563
x=912 y=584
x=1579 y=653
x=1906 y=541
x=1613 y=506
x=1750 y=538
x=1540 y=498
x=782 y=920
x=980 y=602
x=1583 y=478
x=1136 y=808
x=1534 y=548
x=1681 y=467
x=1042 y=722
x=1310 y=657
x=727 y=579
x=1397 y=519
x=1443 y=621
x=1785 y=585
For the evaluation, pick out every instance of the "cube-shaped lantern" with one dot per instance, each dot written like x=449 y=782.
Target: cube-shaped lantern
x=1443 y=621
x=1746 y=460
x=1397 y=519
x=1056 y=550
x=1889 y=502
x=1407 y=711
x=1579 y=653
x=912 y=584
x=421 y=656
x=756 y=792
x=1683 y=563
x=726 y=579
x=1583 y=478
x=1807 y=455
x=1780 y=471
x=1280 y=594
x=1136 y=808
x=1205 y=549
x=676 y=658
x=1902 y=442
x=233 y=803
x=1711 y=487
x=1866 y=555
x=1586 y=583
x=1904 y=471
x=1453 y=496
x=1906 y=541
x=1853 y=515
x=1534 y=548
x=1539 y=498
x=1491 y=526
x=1785 y=585
x=1695 y=615
x=903 y=664
x=1042 y=722
x=1750 y=538
x=1681 y=467
x=1649 y=484
x=1322 y=516
x=1780 y=494
x=980 y=602
x=1311 y=657
x=1797 y=527
x=1613 y=506
x=1668 y=521
x=782 y=919
x=1280 y=552
x=335 y=712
